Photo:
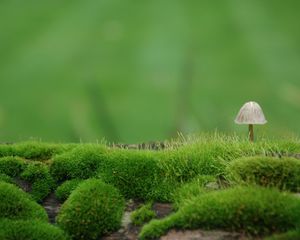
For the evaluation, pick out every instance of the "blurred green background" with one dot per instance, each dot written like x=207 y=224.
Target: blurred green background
x=133 y=71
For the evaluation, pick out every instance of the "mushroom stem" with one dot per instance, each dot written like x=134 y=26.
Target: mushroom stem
x=251 y=133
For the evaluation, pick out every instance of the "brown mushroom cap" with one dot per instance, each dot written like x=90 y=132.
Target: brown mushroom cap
x=250 y=113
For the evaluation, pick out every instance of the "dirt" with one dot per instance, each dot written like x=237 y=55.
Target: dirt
x=52 y=206
x=162 y=209
x=24 y=185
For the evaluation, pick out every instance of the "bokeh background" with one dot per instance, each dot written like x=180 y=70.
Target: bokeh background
x=134 y=71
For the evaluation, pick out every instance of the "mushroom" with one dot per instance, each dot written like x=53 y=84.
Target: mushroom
x=251 y=113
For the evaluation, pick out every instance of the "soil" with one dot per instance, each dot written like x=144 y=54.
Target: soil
x=24 y=185
x=52 y=206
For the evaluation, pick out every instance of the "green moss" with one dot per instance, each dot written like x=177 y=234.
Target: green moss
x=65 y=189
x=6 y=150
x=6 y=178
x=157 y=228
x=143 y=214
x=92 y=210
x=39 y=176
x=81 y=163
x=34 y=150
x=30 y=230
x=290 y=235
x=195 y=187
x=136 y=174
x=12 y=166
x=16 y=204
x=283 y=173
x=253 y=210
x=207 y=157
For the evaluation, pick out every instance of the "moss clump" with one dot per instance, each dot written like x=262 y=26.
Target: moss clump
x=12 y=166
x=253 y=210
x=82 y=162
x=143 y=214
x=30 y=230
x=92 y=210
x=6 y=178
x=65 y=189
x=136 y=174
x=34 y=150
x=16 y=204
x=39 y=176
x=283 y=173
x=195 y=187
x=290 y=235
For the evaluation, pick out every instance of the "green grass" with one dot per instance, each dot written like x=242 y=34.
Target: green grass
x=253 y=210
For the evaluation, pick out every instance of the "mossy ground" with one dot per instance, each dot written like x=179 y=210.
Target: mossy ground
x=175 y=172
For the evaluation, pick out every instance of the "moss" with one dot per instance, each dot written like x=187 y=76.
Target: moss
x=6 y=178
x=196 y=187
x=92 y=210
x=34 y=150
x=254 y=210
x=30 y=230
x=39 y=176
x=143 y=214
x=290 y=235
x=81 y=163
x=136 y=174
x=210 y=154
x=16 y=204
x=283 y=173
x=6 y=150
x=65 y=189
x=12 y=166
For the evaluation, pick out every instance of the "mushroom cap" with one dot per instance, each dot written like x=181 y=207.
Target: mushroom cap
x=250 y=113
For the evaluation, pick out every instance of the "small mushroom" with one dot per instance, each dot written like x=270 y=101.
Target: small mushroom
x=251 y=113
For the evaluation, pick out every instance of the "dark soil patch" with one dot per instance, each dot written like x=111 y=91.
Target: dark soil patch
x=52 y=206
x=162 y=209
x=24 y=185
x=50 y=203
